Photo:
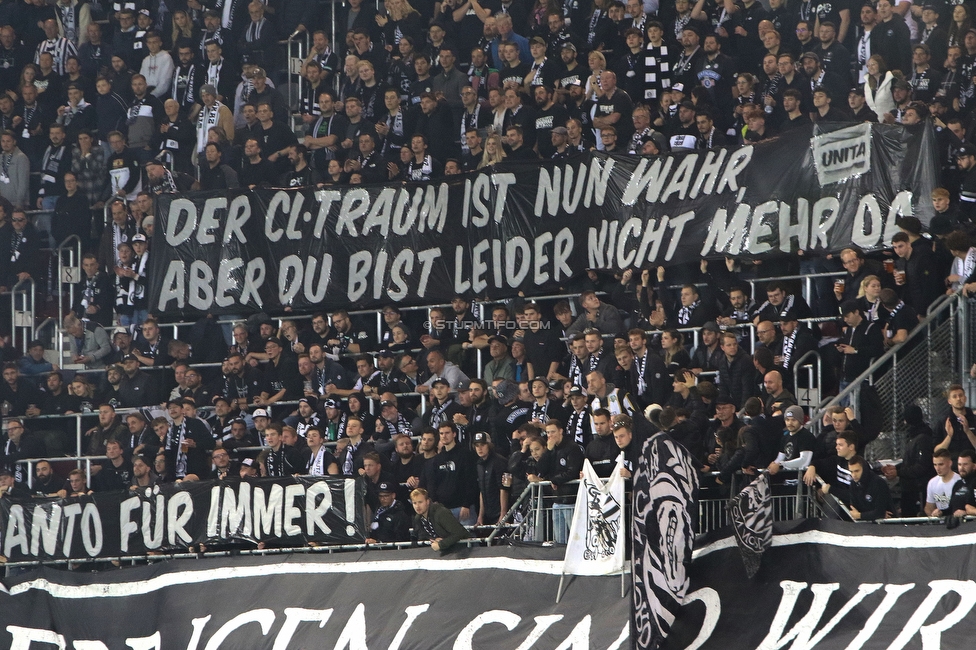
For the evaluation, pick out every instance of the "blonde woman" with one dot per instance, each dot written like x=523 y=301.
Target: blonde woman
x=494 y=152
x=183 y=30
x=869 y=299
x=401 y=20
x=597 y=63
x=877 y=87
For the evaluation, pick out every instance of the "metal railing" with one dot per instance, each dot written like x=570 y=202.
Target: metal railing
x=68 y=275
x=22 y=317
x=72 y=563
x=79 y=462
x=814 y=369
x=914 y=372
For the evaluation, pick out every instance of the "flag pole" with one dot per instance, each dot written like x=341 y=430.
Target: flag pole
x=559 y=590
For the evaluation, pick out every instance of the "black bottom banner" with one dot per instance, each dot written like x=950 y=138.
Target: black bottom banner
x=405 y=599
x=833 y=585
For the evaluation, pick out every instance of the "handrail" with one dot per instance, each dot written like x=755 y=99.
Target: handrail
x=293 y=39
x=799 y=364
x=943 y=302
x=27 y=287
x=30 y=462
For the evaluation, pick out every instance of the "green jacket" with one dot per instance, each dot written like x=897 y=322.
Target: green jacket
x=446 y=527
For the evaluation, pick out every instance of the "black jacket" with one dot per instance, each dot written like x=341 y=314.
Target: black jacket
x=870 y=496
x=738 y=378
x=490 y=472
x=563 y=464
x=450 y=478
x=391 y=524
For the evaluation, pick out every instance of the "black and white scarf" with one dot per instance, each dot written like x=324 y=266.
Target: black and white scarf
x=208 y=118
x=437 y=416
x=316 y=464
x=788 y=342
x=175 y=441
x=575 y=425
x=254 y=30
x=51 y=163
x=469 y=121
x=684 y=314
x=421 y=171
x=184 y=85
x=594 y=361
x=347 y=463
x=639 y=366
x=16 y=239
x=540 y=412
x=891 y=318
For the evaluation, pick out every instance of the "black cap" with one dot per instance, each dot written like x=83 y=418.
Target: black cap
x=386 y=354
x=129 y=357
x=966 y=150
x=386 y=486
x=481 y=438
x=331 y=403
x=556 y=384
x=810 y=55
x=388 y=402
x=311 y=401
x=789 y=315
x=576 y=390
x=711 y=326
x=440 y=380
x=500 y=339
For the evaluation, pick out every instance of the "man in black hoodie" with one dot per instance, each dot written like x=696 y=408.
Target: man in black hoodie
x=451 y=478
x=565 y=462
x=870 y=497
x=916 y=466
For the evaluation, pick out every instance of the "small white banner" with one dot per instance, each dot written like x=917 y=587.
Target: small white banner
x=842 y=154
x=598 y=533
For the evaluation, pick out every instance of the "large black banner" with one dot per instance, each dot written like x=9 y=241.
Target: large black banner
x=383 y=600
x=172 y=517
x=533 y=227
x=834 y=585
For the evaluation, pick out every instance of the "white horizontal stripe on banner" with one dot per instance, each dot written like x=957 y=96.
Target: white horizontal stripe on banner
x=850 y=541
x=140 y=587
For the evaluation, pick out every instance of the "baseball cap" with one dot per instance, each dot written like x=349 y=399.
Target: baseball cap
x=506 y=391
x=500 y=339
x=209 y=89
x=386 y=354
x=711 y=326
x=795 y=412
x=555 y=384
x=248 y=462
x=386 y=486
x=144 y=12
x=810 y=55
x=481 y=438
x=388 y=402
x=138 y=237
x=680 y=87
x=966 y=150
x=561 y=130
x=260 y=413
x=311 y=401
x=568 y=46
x=129 y=357
x=537 y=40
x=441 y=380
x=576 y=390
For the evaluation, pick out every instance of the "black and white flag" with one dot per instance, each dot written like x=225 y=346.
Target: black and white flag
x=597 y=535
x=665 y=522
x=752 y=520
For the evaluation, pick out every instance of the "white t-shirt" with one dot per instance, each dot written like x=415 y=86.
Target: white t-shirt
x=939 y=492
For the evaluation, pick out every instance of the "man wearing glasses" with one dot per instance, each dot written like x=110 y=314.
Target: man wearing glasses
x=17 y=445
x=858 y=268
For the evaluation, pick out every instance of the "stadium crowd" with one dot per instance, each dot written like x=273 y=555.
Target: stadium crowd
x=103 y=106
